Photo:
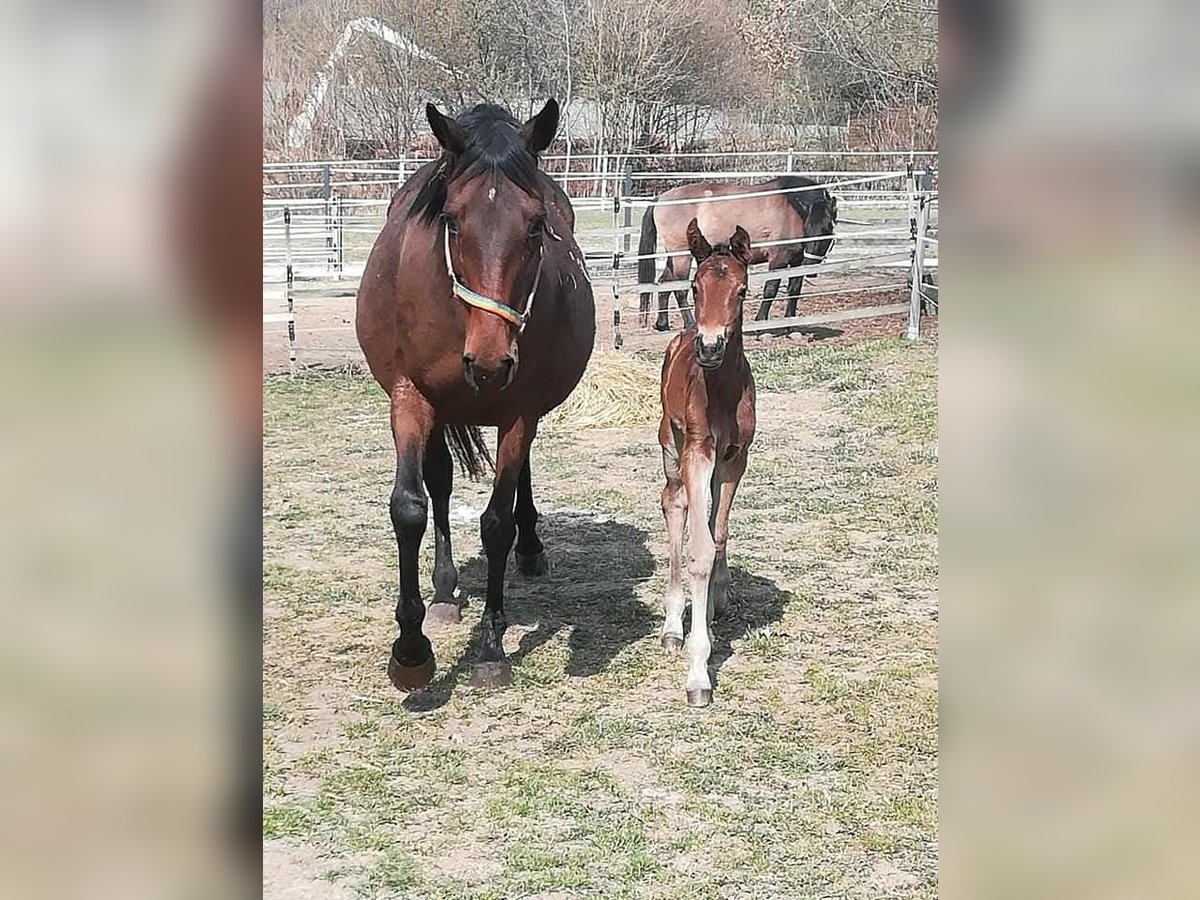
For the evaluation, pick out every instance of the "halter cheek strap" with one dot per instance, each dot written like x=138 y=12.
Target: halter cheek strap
x=479 y=301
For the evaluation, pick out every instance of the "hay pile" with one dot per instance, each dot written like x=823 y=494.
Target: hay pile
x=617 y=390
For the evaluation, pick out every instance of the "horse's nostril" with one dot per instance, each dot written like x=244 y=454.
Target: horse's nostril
x=468 y=360
x=507 y=362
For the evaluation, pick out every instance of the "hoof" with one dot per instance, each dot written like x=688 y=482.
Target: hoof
x=700 y=697
x=672 y=643
x=443 y=614
x=489 y=675
x=662 y=324
x=532 y=564
x=410 y=678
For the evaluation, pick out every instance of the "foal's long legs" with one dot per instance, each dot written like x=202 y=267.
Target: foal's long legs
x=531 y=558
x=498 y=528
x=674 y=506
x=412 y=663
x=726 y=477
x=439 y=479
x=697 y=477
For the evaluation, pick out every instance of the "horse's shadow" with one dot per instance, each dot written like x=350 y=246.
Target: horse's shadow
x=596 y=564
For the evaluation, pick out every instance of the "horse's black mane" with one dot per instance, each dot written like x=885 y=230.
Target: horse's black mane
x=493 y=147
x=801 y=201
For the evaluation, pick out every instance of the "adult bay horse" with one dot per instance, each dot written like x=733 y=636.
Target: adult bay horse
x=799 y=213
x=707 y=425
x=474 y=309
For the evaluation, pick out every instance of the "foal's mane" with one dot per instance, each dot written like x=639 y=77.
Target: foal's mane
x=493 y=147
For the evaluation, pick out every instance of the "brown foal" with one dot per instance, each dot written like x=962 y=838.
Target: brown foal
x=707 y=426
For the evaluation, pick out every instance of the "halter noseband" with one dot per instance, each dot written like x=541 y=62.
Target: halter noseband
x=487 y=304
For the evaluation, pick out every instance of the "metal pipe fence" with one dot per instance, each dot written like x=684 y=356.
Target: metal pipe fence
x=314 y=247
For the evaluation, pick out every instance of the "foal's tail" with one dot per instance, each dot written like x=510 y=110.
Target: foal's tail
x=469 y=449
x=646 y=246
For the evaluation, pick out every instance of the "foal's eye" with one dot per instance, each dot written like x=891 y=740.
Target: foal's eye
x=537 y=226
x=450 y=222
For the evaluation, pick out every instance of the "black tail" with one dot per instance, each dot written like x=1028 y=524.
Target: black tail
x=469 y=449
x=646 y=245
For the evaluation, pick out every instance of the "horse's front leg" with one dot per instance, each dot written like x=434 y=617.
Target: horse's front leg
x=498 y=529
x=411 y=664
x=531 y=556
x=793 y=293
x=697 y=478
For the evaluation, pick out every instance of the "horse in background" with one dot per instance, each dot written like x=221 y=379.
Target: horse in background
x=810 y=213
x=707 y=426
x=474 y=309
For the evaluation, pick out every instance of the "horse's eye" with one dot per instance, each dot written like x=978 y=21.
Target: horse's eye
x=450 y=222
x=537 y=226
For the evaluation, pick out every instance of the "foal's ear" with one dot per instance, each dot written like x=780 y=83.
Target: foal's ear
x=697 y=243
x=538 y=132
x=739 y=245
x=833 y=207
x=448 y=132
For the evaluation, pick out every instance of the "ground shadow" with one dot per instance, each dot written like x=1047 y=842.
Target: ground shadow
x=591 y=588
x=755 y=602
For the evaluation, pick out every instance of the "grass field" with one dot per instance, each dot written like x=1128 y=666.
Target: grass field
x=814 y=774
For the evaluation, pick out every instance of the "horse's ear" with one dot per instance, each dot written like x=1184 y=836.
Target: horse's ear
x=739 y=245
x=833 y=207
x=538 y=132
x=697 y=243
x=448 y=132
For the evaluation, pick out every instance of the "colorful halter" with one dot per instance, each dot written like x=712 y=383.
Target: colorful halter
x=468 y=296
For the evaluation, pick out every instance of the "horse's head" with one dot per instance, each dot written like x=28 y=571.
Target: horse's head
x=718 y=291
x=819 y=210
x=486 y=199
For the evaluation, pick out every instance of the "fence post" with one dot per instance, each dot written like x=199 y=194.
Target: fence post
x=287 y=258
x=325 y=182
x=790 y=160
x=339 y=215
x=627 y=190
x=918 y=270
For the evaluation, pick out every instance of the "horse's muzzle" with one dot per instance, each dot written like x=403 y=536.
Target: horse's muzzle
x=480 y=377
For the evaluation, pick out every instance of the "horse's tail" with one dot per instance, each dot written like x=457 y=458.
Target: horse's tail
x=646 y=246
x=469 y=449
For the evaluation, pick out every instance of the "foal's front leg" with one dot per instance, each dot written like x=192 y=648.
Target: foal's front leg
x=674 y=507
x=726 y=477
x=697 y=477
x=411 y=664
x=498 y=529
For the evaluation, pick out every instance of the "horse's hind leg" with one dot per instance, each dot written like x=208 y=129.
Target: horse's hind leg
x=674 y=507
x=794 y=285
x=770 y=289
x=498 y=529
x=677 y=269
x=412 y=663
x=531 y=558
x=439 y=480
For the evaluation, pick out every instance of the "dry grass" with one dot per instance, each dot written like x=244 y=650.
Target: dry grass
x=814 y=773
x=617 y=390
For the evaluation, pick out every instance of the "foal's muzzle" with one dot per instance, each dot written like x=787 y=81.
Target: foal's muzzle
x=710 y=354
